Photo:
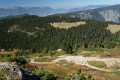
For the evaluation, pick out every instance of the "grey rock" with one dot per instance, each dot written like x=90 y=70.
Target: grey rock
x=111 y=13
x=13 y=70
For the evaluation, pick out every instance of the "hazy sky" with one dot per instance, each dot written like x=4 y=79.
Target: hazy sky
x=56 y=3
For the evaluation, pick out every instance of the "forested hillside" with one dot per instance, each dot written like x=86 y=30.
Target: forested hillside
x=36 y=34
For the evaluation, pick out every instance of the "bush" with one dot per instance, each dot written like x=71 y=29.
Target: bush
x=19 y=60
x=78 y=76
x=44 y=74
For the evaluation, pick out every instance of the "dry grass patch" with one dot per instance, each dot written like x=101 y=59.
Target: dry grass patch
x=67 y=25
x=2 y=51
x=114 y=53
x=113 y=28
x=45 y=59
x=62 y=71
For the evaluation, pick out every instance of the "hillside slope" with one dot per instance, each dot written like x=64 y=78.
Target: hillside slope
x=37 y=34
x=111 y=13
x=87 y=8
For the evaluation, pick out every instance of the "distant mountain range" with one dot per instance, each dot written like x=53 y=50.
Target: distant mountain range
x=14 y=16
x=110 y=13
x=41 y=11
x=88 y=7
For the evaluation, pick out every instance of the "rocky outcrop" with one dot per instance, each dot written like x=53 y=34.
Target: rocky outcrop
x=104 y=15
x=110 y=15
x=84 y=15
x=12 y=70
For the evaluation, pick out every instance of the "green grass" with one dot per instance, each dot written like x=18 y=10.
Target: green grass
x=99 y=64
x=56 y=53
x=116 y=67
x=64 y=63
x=87 y=54
x=45 y=59
x=92 y=49
x=90 y=52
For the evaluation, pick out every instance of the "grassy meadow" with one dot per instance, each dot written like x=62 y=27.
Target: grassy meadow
x=67 y=25
x=99 y=64
x=113 y=28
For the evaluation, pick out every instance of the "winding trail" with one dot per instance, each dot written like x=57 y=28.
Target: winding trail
x=33 y=61
x=80 y=60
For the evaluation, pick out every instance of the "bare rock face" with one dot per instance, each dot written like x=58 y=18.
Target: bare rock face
x=104 y=15
x=12 y=70
x=85 y=15
x=82 y=15
x=110 y=15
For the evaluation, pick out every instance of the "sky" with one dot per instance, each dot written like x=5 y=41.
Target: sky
x=56 y=3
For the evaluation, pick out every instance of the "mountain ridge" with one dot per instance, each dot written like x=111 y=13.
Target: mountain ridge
x=40 y=11
x=110 y=13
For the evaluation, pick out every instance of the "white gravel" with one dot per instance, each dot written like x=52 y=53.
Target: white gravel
x=84 y=61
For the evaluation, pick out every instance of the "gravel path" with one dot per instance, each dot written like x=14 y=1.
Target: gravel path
x=84 y=61
x=33 y=61
x=80 y=60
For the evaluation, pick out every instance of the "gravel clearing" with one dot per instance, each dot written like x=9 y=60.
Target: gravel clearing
x=84 y=61
x=80 y=60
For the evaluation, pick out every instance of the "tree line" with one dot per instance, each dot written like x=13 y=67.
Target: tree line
x=46 y=38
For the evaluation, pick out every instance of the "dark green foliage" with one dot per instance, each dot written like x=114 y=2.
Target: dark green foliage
x=47 y=38
x=6 y=55
x=44 y=74
x=78 y=76
x=18 y=60
x=68 y=49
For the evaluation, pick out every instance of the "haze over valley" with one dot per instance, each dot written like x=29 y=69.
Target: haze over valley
x=42 y=11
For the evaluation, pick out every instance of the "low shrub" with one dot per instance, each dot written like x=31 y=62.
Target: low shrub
x=44 y=74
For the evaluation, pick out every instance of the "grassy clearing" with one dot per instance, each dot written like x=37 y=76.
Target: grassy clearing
x=113 y=28
x=99 y=64
x=64 y=63
x=59 y=70
x=67 y=25
x=107 y=53
x=116 y=66
x=62 y=71
x=45 y=59
x=91 y=52
x=114 y=53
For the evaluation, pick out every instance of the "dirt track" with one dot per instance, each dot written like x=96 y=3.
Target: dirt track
x=80 y=60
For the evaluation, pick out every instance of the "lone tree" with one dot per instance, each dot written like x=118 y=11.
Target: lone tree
x=68 y=49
